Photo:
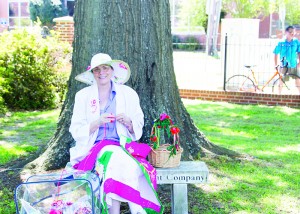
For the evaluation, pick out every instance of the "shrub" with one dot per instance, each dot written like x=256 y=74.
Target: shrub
x=2 y=90
x=175 y=40
x=191 y=39
x=190 y=43
x=60 y=85
x=30 y=69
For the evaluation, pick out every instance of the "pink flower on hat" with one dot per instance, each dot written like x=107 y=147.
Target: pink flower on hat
x=88 y=68
x=121 y=65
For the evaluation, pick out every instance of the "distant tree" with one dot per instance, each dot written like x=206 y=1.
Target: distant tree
x=46 y=10
x=254 y=8
x=246 y=8
x=192 y=13
x=292 y=16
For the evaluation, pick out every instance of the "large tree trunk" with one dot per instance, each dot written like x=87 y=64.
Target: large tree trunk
x=138 y=32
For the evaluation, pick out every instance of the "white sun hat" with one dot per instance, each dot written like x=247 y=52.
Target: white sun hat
x=121 y=73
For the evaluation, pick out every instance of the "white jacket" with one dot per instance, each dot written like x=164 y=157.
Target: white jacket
x=87 y=109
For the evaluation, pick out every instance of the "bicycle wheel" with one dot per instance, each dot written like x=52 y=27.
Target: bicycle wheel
x=290 y=85
x=240 y=83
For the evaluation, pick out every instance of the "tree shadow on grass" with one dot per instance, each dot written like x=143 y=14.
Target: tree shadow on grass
x=30 y=137
x=254 y=186
x=9 y=179
x=198 y=200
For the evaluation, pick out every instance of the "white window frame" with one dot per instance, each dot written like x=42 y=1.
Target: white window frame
x=19 y=17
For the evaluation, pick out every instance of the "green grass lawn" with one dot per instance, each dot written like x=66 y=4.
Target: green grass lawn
x=268 y=182
x=22 y=133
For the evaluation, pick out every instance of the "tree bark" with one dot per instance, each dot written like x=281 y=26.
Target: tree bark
x=139 y=33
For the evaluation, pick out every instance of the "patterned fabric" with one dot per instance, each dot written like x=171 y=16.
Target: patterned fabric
x=127 y=175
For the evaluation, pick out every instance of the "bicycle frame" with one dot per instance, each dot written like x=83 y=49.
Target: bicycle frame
x=270 y=79
x=249 y=83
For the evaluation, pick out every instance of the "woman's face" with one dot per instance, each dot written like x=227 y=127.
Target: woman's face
x=102 y=74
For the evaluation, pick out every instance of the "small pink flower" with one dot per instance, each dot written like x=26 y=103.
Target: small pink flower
x=163 y=116
x=121 y=65
x=93 y=102
x=88 y=68
x=93 y=105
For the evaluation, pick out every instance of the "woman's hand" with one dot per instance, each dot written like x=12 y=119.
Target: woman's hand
x=104 y=118
x=126 y=121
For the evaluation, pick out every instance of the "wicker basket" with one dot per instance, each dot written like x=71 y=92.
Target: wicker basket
x=161 y=157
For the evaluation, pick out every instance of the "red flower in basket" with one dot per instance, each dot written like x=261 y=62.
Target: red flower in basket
x=153 y=138
x=160 y=126
x=174 y=130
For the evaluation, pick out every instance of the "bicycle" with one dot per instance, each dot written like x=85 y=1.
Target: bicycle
x=245 y=83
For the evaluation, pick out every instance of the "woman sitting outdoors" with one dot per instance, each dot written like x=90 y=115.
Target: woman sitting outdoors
x=103 y=113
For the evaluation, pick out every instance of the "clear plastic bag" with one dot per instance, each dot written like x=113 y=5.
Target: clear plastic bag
x=70 y=191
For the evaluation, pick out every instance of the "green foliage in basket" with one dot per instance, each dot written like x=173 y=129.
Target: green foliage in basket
x=161 y=126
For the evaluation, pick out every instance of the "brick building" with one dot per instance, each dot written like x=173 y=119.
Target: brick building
x=15 y=13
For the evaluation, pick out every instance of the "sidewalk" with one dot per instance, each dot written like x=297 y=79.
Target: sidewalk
x=198 y=71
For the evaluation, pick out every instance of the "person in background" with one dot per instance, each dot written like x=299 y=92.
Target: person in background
x=289 y=54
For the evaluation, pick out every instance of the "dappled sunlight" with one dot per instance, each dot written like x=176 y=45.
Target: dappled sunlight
x=11 y=151
x=270 y=135
x=46 y=115
x=246 y=117
x=29 y=127
x=227 y=131
x=243 y=211
x=288 y=148
x=15 y=148
x=286 y=158
x=277 y=181
x=242 y=192
x=20 y=125
x=22 y=116
x=284 y=203
x=216 y=184
x=223 y=124
x=289 y=111
x=6 y=144
x=265 y=153
x=8 y=133
x=189 y=102
x=254 y=173
x=235 y=143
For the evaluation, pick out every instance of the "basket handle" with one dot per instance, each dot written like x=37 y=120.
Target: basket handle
x=153 y=150
x=176 y=137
